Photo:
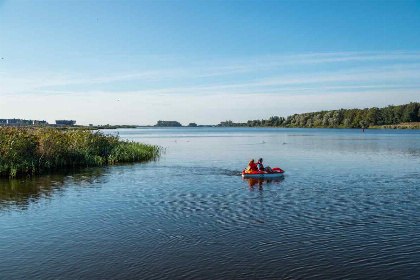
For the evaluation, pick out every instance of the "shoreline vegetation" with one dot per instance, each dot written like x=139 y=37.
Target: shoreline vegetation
x=405 y=116
x=40 y=150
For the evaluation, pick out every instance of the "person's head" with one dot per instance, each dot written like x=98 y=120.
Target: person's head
x=260 y=160
x=251 y=161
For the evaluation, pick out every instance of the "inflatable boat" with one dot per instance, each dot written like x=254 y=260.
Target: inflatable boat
x=277 y=172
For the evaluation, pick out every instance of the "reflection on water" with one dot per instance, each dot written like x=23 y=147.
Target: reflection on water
x=259 y=183
x=20 y=193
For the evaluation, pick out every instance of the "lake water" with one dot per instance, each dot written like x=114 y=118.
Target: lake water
x=348 y=207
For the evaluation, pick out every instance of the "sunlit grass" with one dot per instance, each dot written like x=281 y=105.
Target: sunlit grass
x=29 y=151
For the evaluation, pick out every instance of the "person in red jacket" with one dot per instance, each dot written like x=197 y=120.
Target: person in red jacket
x=252 y=166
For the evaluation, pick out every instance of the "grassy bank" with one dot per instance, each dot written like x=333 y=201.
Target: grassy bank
x=29 y=151
x=412 y=125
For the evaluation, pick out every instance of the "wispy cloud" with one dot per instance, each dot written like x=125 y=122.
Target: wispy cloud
x=280 y=74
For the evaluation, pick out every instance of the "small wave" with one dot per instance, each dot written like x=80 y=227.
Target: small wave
x=201 y=170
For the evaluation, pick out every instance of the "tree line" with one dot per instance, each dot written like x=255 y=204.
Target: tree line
x=345 y=118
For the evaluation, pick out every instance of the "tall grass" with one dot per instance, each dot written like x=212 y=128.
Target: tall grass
x=29 y=151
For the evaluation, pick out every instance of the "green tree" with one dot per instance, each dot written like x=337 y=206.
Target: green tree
x=411 y=112
x=388 y=115
x=398 y=114
x=372 y=116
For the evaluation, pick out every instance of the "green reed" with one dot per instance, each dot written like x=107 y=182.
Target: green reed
x=29 y=151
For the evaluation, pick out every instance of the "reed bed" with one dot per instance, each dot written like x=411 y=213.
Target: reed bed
x=30 y=151
x=412 y=125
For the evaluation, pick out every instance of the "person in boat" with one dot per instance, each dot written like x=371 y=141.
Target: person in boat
x=261 y=167
x=252 y=166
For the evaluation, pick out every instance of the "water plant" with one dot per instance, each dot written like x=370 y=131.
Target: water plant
x=29 y=151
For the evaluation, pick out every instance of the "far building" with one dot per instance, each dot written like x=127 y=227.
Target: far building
x=65 y=122
x=40 y=122
x=21 y=122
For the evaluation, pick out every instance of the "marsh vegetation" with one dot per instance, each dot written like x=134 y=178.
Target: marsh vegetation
x=29 y=151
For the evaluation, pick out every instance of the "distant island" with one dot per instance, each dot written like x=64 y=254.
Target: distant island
x=400 y=116
x=177 y=124
x=168 y=123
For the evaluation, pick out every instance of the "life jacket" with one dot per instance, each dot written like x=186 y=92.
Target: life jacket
x=260 y=166
x=252 y=166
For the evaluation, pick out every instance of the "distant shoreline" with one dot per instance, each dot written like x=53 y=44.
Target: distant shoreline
x=406 y=125
x=414 y=125
x=406 y=116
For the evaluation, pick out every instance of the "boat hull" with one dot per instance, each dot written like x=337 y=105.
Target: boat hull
x=263 y=175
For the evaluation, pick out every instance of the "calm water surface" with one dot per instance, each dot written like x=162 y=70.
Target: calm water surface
x=348 y=207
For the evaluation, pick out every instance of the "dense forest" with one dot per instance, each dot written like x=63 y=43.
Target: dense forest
x=345 y=118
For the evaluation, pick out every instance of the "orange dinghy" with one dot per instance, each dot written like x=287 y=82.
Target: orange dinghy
x=277 y=172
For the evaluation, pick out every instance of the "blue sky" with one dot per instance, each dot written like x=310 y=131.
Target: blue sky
x=136 y=62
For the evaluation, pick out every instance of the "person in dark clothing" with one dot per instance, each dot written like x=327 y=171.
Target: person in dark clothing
x=261 y=166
